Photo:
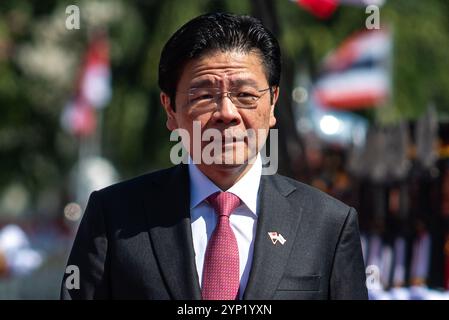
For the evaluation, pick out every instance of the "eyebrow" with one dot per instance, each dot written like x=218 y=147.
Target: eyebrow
x=243 y=82
x=207 y=83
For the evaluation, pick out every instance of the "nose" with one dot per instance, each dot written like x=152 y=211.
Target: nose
x=226 y=111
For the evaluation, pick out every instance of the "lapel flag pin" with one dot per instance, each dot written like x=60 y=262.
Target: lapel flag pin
x=276 y=237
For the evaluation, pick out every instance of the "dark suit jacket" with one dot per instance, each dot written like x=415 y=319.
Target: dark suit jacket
x=135 y=242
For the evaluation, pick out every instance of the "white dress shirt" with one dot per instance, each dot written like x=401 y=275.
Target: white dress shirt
x=243 y=219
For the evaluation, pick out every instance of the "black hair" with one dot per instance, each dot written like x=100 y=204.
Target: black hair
x=217 y=31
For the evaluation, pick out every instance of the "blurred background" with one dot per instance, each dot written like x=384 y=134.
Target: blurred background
x=363 y=115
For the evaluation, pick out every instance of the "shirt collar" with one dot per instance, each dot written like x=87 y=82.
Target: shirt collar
x=246 y=188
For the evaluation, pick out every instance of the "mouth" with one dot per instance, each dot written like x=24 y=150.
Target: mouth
x=224 y=142
x=226 y=139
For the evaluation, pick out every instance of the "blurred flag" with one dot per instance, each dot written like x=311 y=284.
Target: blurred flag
x=78 y=118
x=357 y=74
x=355 y=89
x=323 y=9
x=95 y=77
x=362 y=48
x=93 y=90
x=342 y=128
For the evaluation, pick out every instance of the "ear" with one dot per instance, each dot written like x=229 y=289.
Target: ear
x=275 y=99
x=171 y=123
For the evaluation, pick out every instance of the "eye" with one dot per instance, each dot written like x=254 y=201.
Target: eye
x=205 y=96
x=201 y=97
x=246 y=95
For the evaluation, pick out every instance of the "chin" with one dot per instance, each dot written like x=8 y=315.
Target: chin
x=234 y=167
x=229 y=161
x=235 y=154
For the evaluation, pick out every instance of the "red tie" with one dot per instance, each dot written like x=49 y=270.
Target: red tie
x=221 y=278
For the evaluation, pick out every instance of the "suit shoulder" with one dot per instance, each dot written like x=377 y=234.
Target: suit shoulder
x=306 y=195
x=135 y=184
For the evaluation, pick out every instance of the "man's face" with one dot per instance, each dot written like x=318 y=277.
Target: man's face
x=200 y=99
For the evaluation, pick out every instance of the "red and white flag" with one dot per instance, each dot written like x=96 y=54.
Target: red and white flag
x=79 y=119
x=93 y=89
x=95 y=78
x=357 y=74
x=324 y=9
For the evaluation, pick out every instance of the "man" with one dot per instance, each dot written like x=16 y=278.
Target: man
x=216 y=228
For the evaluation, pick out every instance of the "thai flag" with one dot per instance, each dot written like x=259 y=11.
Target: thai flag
x=357 y=75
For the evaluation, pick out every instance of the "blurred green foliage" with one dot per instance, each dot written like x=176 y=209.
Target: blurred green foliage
x=39 y=60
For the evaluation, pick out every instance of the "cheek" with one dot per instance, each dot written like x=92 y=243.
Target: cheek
x=186 y=120
x=263 y=120
x=193 y=125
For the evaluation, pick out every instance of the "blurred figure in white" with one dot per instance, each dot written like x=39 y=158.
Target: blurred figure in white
x=17 y=258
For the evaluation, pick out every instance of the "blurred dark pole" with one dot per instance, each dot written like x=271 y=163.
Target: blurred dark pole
x=290 y=146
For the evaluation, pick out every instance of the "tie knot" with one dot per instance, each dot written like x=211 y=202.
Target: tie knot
x=224 y=203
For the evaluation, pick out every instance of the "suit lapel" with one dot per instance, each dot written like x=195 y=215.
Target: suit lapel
x=269 y=260
x=171 y=234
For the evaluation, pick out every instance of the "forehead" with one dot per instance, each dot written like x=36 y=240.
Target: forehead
x=218 y=68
